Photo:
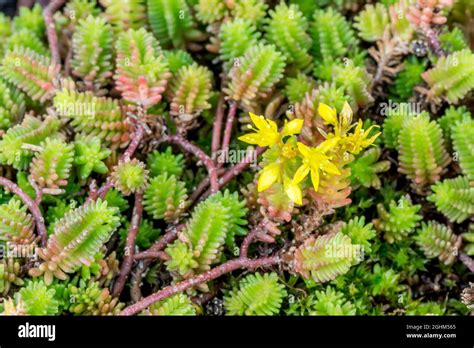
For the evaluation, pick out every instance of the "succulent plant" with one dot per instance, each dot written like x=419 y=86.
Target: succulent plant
x=437 y=240
x=189 y=94
x=142 y=71
x=399 y=221
x=286 y=28
x=93 y=34
x=422 y=153
x=93 y=116
x=325 y=257
x=89 y=156
x=176 y=305
x=136 y=125
x=463 y=143
x=77 y=237
x=171 y=22
x=31 y=72
x=38 y=299
x=161 y=162
x=10 y=273
x=372 y=22
x=31 y=131
x=52 y=165
x=12 y=105
x=365 y=168
x=451 y=78
x=267 y=65
x=127 y=14
x=236 y=37
x=130 y=176
x=257 y=295
x=454 y=198
x=360 y=232
x=165 y=197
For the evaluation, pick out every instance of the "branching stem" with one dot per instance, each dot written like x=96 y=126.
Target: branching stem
x=48 y=14
x=33 y=207
x=129 y=245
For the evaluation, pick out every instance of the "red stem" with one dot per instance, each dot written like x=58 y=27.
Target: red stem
x=132 y=147
x=200 y=154
x=152 y=255
x=129 y=245
x=48 y=13
x=32 y=207
x=167 y=238
x=228 y=130
x=249 y=238
x=467 y=261
x=202 y=187
x=236 y=170
x=205 y=277
x=217 y=127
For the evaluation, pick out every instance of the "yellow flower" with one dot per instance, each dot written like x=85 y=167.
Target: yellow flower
x=342 y=124
x=293 y=191
x=268 y=176
x=266 y=131
x=358 y=140
x=314 y=160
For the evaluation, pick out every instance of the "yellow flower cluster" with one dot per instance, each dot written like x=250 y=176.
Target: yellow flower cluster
x=310 y=160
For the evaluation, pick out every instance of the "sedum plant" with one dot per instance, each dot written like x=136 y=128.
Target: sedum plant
x=287 y=29
x=52 y=165
x=176 y=305
x=399 y=221
x=125 y=169
x=326 y=257
x=93 y=34
x=165 y=197
x=422 y=153
x=161 y=162
x=257 y=295
x=451 y=78
x=171 y=22
x=463 y=144
x=454 y=198
x=437 y=240
x=16 y=225
x=142 y=72
x=267 y=64
x=31 y=72
x=77 y=237
x=31 y=131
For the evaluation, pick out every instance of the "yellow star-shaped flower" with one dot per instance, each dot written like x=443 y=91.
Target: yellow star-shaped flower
x=315 y=160
x=266 y=131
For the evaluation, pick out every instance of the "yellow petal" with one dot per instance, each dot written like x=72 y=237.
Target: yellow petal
x=259 y=121
x=273 y=126
x=315 y=179
x=330 y=168
x=327 y=113
x=268 y=176
x=328 y=144
x=371 y=140
x=301 y=173
x=294 y=192
x=346 y=115
x=251 y=138
x=305 y=150
x=293 y=127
